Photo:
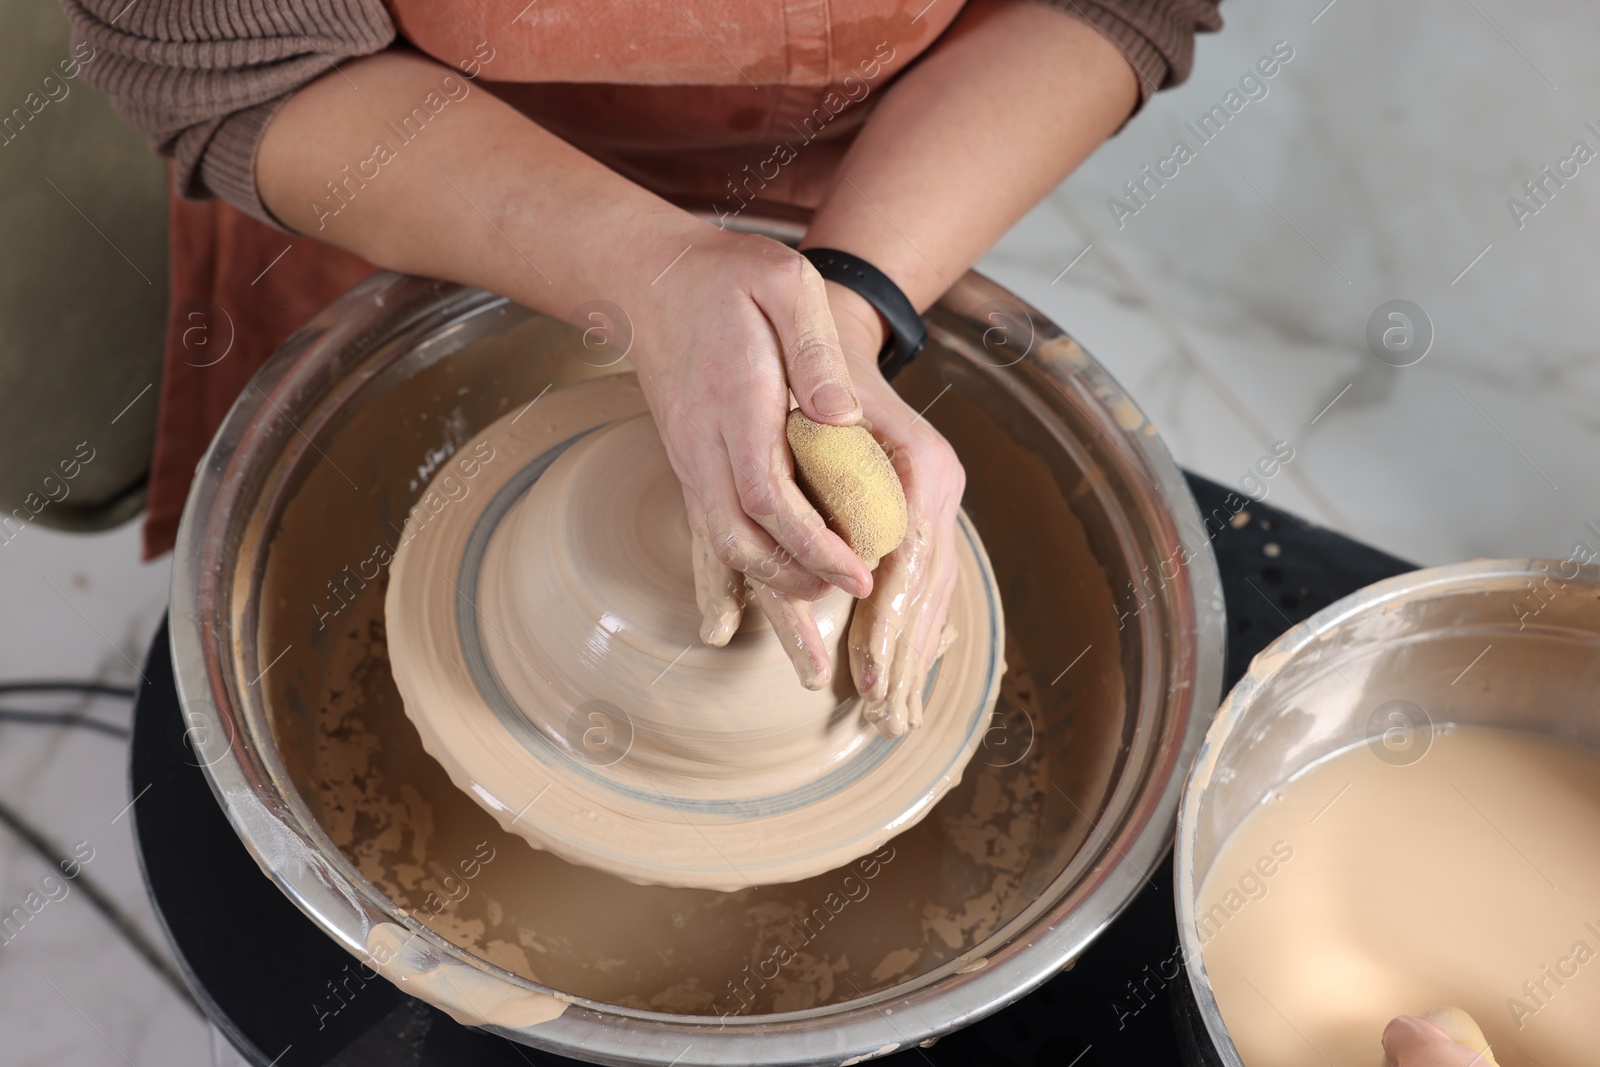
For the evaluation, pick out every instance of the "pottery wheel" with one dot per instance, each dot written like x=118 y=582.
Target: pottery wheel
x=543 y=634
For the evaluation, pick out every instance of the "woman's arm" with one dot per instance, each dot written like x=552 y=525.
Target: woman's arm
x=479 y=194
x=725 y=325
x=996 y=114
x=1009 y=101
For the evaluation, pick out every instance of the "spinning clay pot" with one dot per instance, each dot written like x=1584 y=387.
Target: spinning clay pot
x=545 y=639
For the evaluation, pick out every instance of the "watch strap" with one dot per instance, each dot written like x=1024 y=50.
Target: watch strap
x=907 y=332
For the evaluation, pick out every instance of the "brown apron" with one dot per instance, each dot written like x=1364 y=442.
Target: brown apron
x=721 y=104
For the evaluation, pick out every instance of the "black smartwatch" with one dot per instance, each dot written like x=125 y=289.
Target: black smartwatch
x=907 y=333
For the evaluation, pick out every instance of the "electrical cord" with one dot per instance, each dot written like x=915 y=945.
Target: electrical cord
x=101 y=901
x=60 y=685
x=97 y=897
x=65 y=718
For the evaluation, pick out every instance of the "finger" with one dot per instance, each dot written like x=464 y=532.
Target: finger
x=876 y=623
x=901 y=708
x=890 y=706
x=767 y=494
x=937 y=632
x=818 y=376
x=901 y=577
x=918 y=685
x=1423 y=1042
x=892 y=715
x=916 y=646
x=931 y=646
x=718 y=590
x=745 y=547
x=797 y=631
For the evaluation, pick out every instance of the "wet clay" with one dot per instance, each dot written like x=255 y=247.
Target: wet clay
x=469 y=996
x=926 y=899
x=1363 y=890
x=544 y=635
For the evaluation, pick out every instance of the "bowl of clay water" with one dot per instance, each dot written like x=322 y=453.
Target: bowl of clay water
x=1398 y=809
x=1113 y=660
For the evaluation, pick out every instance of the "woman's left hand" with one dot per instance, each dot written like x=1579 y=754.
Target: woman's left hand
x=898 y=631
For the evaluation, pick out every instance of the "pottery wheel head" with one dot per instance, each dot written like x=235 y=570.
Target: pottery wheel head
x=544 y=636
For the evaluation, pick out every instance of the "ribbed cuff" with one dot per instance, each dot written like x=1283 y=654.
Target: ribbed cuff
x=1156 y=37
x=1148 y=61
x=202 y=80
x=227 y=162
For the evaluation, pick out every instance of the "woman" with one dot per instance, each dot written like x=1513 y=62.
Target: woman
x=528 y=147
x=918 y=134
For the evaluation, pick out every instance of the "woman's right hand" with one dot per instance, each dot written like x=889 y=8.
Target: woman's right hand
x=722 y=336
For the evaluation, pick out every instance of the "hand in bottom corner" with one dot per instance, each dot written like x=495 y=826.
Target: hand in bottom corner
x=1443 y=1037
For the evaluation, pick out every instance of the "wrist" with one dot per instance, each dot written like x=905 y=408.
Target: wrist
x=623 y=255
x=862 y=330
x=641 y=258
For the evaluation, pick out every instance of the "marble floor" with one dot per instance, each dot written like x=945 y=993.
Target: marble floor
x=74 y=987
x=1243 y=302
x=1234 y=300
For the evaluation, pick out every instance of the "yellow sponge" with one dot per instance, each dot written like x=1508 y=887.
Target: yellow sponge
x=848 y=478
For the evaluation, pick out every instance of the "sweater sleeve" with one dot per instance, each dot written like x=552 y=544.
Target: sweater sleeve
x=1155 y=36
x=202 y=79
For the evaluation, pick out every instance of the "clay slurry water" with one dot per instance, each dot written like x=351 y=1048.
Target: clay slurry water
x=1362 y=890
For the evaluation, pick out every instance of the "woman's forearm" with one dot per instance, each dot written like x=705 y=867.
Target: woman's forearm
x=995 y=115
x=728 y=325
x=978 y=131
x=420 y=171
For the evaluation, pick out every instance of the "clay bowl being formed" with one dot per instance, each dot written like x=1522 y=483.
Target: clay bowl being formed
x=544 y=637
x=1112 y=650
